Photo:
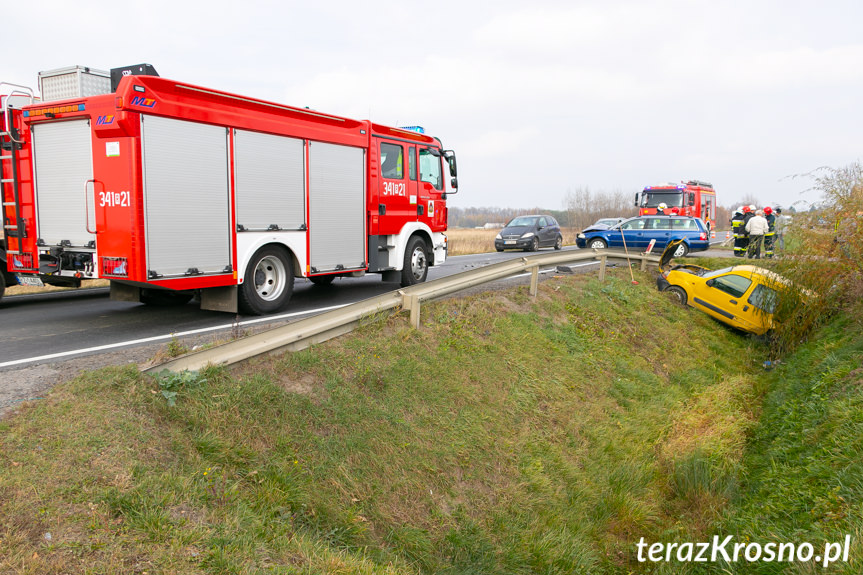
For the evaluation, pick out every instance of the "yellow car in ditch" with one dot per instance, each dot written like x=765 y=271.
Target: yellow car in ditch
x=743 y=297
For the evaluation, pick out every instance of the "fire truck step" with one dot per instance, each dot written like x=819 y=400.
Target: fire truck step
x=6 y=181
x=5 y=157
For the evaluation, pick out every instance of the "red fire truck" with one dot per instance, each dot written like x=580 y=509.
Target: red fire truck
x=692 y=198
x=169 y=190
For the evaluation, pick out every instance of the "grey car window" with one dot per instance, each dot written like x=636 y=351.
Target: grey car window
x=732 y=284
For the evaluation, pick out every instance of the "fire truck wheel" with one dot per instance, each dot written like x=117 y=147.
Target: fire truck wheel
x=164 y=298
x=558 y=244
x=269 y=282
x=2 y=285
x=416 y=264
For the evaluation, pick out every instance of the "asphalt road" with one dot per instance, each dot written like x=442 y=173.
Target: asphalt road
x=58 y=325
x=55 y=326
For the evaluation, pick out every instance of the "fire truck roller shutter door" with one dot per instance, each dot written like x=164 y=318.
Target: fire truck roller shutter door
x=186 y=197
x=64 y=163
x=270 y=181
x=337 y=232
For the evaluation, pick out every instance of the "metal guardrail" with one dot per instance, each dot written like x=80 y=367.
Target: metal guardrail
x=319 y=328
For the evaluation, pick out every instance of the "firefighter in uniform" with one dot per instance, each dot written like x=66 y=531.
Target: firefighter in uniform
x=770 y=236
x=748 y=214
x=738 y=231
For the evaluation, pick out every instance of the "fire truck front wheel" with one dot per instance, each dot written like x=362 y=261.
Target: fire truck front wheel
x=269 y=282
x=416 y=264
x=2 y=284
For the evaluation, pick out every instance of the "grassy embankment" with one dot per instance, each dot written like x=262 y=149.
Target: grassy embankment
x=507 y=435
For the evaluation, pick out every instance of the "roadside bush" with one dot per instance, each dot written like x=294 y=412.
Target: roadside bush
x=825 y=256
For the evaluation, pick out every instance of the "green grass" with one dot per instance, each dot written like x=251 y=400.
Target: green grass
x=804 y=464
x=508 y=435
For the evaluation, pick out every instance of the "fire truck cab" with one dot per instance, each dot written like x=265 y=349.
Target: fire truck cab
x=692 y=198
x=171 y=190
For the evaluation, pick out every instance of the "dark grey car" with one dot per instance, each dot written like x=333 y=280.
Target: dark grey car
x=529 y=233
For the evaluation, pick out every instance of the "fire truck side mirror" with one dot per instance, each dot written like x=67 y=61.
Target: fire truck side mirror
x=691 y=200
x=450 y=159
x=454 y=183
x=636 y=199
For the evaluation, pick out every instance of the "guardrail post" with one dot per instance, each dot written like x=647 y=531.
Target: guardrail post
x=412 y=303
x=534 y=280
x=602 y=260
x=643 y=263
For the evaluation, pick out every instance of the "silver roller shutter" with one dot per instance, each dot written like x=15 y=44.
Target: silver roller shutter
x=63 y=158
x=270 y=181
x=186 y=196
x=336 y=207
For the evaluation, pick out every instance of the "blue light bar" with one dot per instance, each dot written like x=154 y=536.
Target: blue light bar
x=417 y=129
x=54 y=110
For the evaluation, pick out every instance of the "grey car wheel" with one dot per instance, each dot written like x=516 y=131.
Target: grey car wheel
x=597 y=244
x=558 y=244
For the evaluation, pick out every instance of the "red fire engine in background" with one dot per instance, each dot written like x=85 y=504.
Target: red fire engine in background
x=169 y=190
x=692 y=198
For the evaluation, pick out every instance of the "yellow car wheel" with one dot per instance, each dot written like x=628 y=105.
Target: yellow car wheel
x=679 y=293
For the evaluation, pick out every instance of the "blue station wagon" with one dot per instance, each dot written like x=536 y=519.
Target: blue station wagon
x=639 y=231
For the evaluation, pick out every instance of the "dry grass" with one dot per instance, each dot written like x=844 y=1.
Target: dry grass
x=464 y=241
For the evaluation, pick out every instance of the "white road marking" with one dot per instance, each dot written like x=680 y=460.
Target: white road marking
x=164 y=337
x=169 y=336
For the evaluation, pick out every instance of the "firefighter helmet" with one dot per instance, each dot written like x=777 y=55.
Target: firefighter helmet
x=661 y=207
x=768 y=210
x=746 y=209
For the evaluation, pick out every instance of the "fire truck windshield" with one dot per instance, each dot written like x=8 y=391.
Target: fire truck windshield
x=669 y=198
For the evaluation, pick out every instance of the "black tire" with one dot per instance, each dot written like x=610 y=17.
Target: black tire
x=165 y=298
x=499 y=249
x=415 y=267
x=2 y=283
x=534 y=245
x=681 y=251
x=269 y=282
x=558 y=243
x=597 y=244
x=322 y=280
x=679 y=292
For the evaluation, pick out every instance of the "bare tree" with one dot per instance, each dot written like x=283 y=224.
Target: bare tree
x=585 y=207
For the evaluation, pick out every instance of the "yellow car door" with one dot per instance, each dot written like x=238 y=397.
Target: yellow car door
x=725 y=298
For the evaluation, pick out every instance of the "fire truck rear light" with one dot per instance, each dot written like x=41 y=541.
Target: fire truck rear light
x=116 y=267
x=22 y=261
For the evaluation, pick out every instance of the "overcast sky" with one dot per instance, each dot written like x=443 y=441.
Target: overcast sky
x=536 y=98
